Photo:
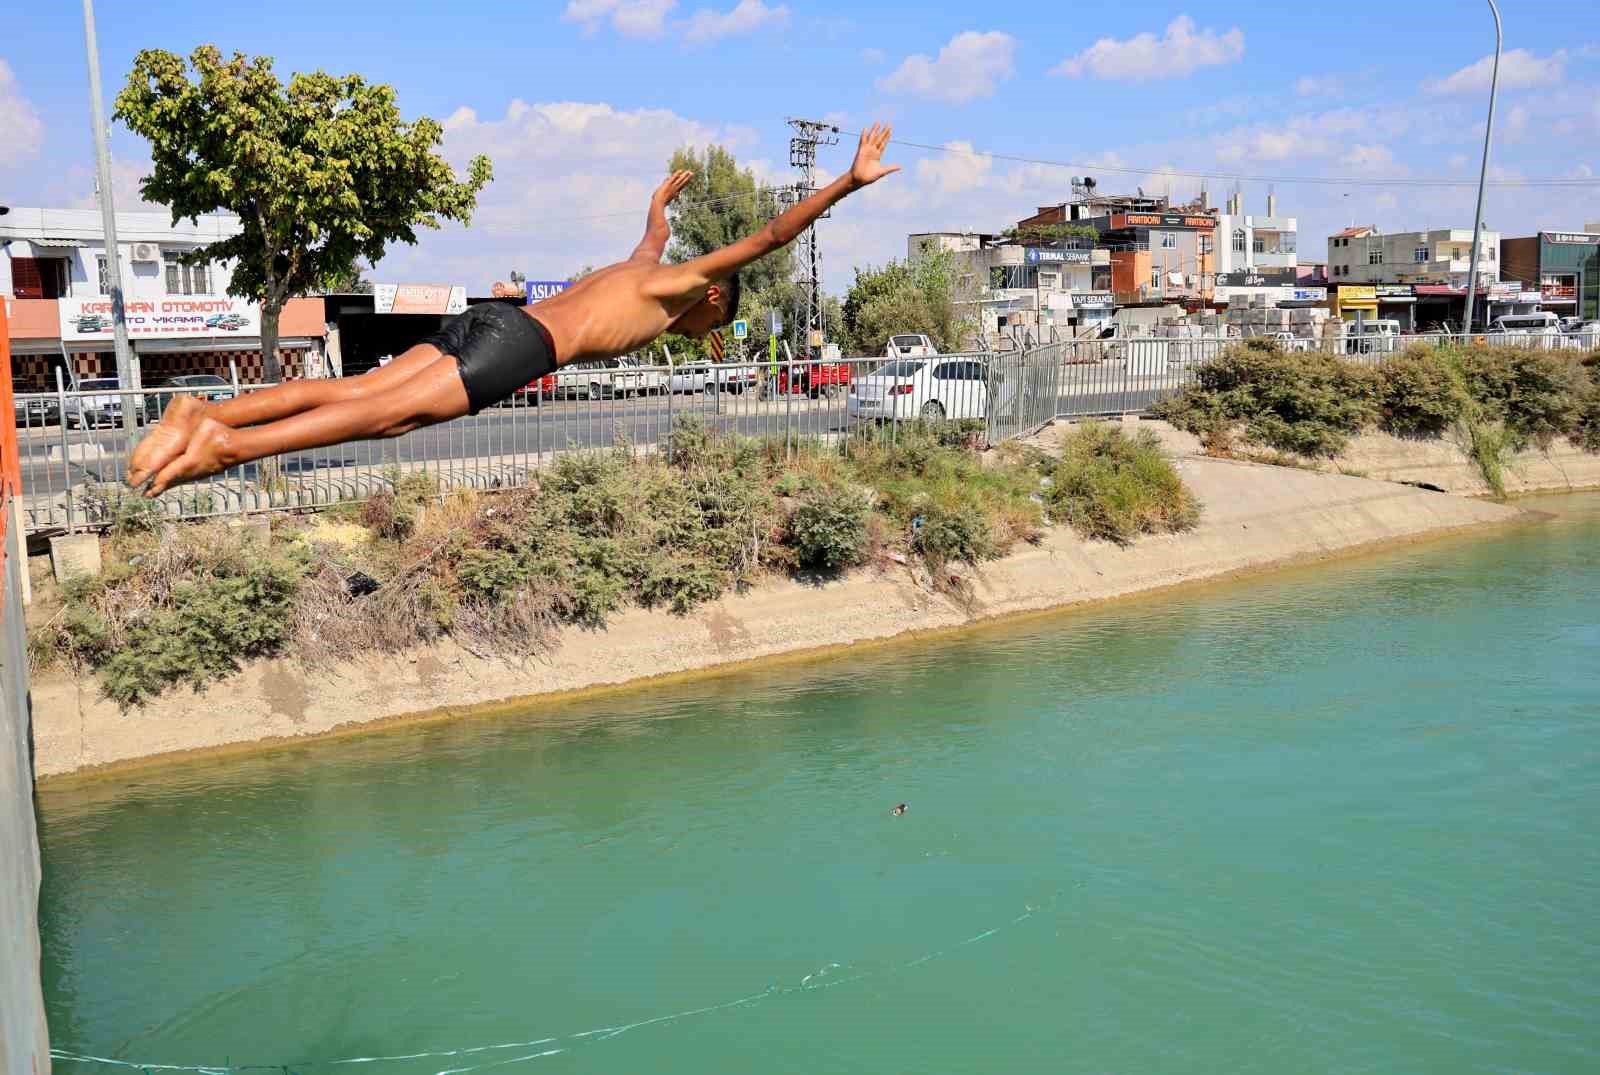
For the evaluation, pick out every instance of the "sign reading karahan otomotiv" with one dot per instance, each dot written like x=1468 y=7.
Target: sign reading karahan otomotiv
x=173 y=317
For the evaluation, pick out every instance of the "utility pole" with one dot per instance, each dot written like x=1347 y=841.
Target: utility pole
x=809 y=134
x=127 y=370
x=1483 y=174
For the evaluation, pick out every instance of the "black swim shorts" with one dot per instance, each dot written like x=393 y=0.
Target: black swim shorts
x=498 y=349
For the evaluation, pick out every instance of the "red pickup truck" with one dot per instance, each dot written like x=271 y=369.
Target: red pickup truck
x=814 y=378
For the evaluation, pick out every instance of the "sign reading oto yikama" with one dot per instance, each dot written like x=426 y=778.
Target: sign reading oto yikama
x=172 y=317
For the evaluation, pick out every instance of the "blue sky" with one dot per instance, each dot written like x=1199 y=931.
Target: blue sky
x=579 y=102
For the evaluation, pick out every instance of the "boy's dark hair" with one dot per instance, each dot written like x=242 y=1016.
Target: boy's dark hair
x=731 y=289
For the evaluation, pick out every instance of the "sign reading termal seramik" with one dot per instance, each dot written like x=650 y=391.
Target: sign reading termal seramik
x=172 y=317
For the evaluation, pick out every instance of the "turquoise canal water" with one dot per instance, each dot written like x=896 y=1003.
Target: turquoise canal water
x=1337 y=819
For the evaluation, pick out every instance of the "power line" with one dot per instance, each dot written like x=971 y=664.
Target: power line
x=1354 y=181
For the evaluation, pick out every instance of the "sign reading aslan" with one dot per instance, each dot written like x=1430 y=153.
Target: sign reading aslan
x=173 y=317
x=418 y=299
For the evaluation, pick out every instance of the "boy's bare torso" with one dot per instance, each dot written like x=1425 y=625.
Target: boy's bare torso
x=610 y=312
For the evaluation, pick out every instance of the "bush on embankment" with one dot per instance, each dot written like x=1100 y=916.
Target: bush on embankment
x=1497 y=400
x=600 y=531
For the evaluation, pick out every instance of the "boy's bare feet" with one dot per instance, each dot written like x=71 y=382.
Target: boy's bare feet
x=209 y=451
x=166 y=439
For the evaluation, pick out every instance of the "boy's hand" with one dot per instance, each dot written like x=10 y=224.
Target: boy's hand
x=670 y=188
x=868 y=166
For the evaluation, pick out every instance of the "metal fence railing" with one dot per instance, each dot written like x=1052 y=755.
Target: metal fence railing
x=74 y=448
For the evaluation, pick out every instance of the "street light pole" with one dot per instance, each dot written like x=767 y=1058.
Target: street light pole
x=1483 y=174
x=126 y=376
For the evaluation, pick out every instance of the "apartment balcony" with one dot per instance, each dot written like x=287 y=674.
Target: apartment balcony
x=1274 y=260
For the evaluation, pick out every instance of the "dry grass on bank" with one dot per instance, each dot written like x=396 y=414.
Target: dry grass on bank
x=501 y=574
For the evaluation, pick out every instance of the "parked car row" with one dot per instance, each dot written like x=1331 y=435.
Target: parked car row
x=97 y=401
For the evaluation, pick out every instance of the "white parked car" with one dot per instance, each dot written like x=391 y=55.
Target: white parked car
x=1583 y=335
x=909 y=345
x=609 y=378
x=707 y=377
x=99 y=406
x=931 y=388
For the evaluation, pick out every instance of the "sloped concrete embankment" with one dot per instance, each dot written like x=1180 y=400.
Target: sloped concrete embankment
x=1255 y=517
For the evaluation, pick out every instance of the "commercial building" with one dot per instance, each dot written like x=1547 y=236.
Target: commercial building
x=1563 y=266
x=1042 y=290
x=54 y=265
x=1364 y=255
x=1257 y=256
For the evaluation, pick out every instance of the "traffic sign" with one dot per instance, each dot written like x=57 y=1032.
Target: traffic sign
x=774 y=323
x=741 y=329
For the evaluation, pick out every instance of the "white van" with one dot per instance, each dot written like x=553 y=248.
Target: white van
x=1541 y=330
x=1377 y=336
x=909 y=345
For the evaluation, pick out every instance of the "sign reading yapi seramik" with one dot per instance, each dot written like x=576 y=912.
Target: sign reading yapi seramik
x=174 y=317
x=539 y=290
x=418 y=299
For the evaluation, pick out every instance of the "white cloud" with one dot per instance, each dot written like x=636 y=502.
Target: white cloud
x=1145 y=57
x=746 y=17
x=21 y=131
x=1519 y=69
x=125 y=177
x=1319 y=86
x=961 y=168
x=633 y=18
x=971 y=65
x=572 y=182
x=873 y=56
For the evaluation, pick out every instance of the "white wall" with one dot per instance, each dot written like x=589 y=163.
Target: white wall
x=140 y=280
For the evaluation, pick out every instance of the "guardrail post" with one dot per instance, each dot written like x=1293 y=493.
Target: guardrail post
x=233 y=375
x=66 y=455
x=787 y=384
x=668 y=389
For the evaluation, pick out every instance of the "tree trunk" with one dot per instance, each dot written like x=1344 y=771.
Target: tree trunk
x=270 y=372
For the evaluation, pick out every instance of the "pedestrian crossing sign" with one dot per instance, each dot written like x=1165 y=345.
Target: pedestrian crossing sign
x=741 y=330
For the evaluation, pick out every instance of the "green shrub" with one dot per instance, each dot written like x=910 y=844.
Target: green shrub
x=1112 y=486
x=1306 y=403
x=1489 y=444
x=1535 y=393
x=1420 y=393
x=945 y=533
x=388 y=517
x=210 y=626
x=828 y=530
x=492 y=574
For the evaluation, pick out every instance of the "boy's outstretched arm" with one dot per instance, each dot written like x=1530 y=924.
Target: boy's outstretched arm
x=656 y=229
x=867 y=168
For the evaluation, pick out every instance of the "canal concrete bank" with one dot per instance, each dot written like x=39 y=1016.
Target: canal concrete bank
x=1255 y=517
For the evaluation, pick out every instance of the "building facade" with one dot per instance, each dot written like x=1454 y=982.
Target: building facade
x=1442 y=257
x=54 y=267
x=1044 y=291
x=1563 y=266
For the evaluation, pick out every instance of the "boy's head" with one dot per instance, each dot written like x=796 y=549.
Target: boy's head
x=718 y=308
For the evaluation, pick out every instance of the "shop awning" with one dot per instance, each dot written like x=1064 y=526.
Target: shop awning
x=213 y=343
x=63 y=243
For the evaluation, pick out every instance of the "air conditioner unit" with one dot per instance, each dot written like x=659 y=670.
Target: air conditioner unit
x=146 y=252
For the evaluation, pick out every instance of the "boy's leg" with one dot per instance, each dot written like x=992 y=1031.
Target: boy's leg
x=166 y=441
x=433 y=394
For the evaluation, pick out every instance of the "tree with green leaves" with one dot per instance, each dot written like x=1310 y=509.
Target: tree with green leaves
x=320 y=172
x=722 y=204
x=927 y=294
